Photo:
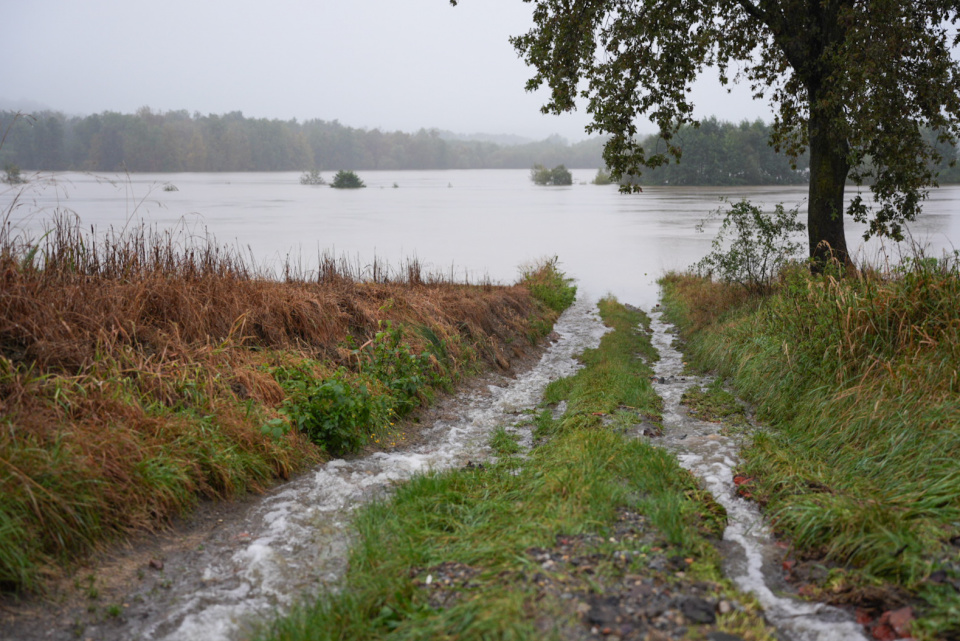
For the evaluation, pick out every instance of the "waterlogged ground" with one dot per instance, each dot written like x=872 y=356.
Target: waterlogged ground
x=293 y=542
x=752 y=559
x=246 y=563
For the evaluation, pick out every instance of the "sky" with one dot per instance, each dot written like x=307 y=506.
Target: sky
x=389 y=64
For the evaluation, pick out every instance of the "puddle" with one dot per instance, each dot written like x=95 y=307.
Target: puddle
x=752 y=560
x=293 y=542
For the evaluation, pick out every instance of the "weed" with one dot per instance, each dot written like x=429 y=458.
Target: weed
x=504 y=443
x=549 y=285
x=715 y=404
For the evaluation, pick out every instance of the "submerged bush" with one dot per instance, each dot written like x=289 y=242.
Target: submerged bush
x=312 y=177
x=559 y=175
x=12 y=174
x=602 y=178
x=347 y=180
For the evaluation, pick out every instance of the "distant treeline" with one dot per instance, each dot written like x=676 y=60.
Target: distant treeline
x=716 y=153
x=722 y=153
x=177 y=141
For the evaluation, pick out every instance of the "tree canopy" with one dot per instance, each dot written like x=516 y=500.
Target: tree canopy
x=854 y=81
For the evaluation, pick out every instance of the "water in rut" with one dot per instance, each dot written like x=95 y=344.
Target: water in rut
x=294 y=541
x=751 y=558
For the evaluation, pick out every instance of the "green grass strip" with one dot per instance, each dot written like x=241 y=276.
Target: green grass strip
x=581 y=472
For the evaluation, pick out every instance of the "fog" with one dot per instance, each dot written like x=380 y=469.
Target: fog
x=369 y=63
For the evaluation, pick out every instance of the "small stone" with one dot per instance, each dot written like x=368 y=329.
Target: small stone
x=698 y=610
x=899 y=620
x=724 y=607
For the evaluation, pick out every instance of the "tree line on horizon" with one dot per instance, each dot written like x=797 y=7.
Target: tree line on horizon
x=716 y=153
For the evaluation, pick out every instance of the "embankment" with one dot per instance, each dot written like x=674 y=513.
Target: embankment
x=142 y=371
x=859 y=469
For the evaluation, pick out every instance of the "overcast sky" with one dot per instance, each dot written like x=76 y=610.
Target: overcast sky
x=393 y=64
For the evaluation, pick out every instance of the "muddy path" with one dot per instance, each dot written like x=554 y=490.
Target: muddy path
x=236 y=564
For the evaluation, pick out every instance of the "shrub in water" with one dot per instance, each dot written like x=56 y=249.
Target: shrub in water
x=312 y=177
x=347 y=180
x=559 y=175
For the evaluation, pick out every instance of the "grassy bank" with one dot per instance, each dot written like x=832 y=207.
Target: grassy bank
x=858 y=381
x=539 y=546
x=140 y=372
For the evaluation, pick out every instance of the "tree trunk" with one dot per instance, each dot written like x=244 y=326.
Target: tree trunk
x=829 y=167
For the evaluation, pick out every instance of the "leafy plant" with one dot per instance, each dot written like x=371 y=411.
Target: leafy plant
x=752 y=246
x=559 y=175
x=332 y=413
x=347 y=180
x=390 y=361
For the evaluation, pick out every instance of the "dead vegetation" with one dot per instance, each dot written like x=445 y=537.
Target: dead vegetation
x=137 y=373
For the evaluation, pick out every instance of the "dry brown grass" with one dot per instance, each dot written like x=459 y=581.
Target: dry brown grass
x=134 y=373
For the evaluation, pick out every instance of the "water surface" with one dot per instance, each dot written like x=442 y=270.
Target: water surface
x=480 y=223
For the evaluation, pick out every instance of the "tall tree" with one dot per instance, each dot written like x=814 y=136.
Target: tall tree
x=853 y=80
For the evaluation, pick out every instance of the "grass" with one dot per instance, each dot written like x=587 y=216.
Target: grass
x=143 y=371
x=485 y=521
x=715 y=404
x=858 y=380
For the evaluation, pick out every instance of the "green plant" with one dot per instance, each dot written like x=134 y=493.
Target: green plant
x=333 y=413
x=347 y=180
x=559 y=175
x=312 y=177
x=752 y=246
x=549 y=285
x=389 y=360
